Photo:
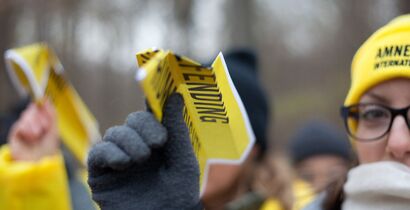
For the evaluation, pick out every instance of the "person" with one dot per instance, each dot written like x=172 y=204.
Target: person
x=282 y=190
x=320 y=153
x=145 y=164
x=148 y=165
x=35 y=173
x=376 y=115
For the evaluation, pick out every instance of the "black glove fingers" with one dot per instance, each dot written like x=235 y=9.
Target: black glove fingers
x=151 y=131
x=178 y=148
x=129 y=142
x=106 y=155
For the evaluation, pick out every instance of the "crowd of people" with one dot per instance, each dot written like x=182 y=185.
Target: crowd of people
x=147 y=164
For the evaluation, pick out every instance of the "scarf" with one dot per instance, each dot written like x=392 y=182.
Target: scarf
x=378 y=186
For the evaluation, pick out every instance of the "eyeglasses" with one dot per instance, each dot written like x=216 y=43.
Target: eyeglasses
x=369 y=122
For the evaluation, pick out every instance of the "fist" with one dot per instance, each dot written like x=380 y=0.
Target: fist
x=35 y=134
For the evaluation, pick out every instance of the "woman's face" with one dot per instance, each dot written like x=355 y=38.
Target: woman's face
x=395 y=145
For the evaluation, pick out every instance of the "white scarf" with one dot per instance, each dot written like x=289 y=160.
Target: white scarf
x=378 y=186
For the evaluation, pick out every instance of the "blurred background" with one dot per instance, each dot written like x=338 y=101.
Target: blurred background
x=305 y=47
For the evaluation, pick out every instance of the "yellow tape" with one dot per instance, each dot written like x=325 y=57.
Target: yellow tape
x=36 y=70
x=215 y=116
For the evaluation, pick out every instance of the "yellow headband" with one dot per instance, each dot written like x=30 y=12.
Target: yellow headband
x=384 y=56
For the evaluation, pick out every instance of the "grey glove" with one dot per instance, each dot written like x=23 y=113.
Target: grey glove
x=145 y=165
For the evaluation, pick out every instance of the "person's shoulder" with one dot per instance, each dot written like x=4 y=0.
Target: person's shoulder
x=303 y=194
x=316 y=204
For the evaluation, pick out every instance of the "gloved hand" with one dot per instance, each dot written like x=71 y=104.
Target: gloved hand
x=145 y=165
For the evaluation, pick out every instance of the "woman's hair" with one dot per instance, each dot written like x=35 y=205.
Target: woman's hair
x=334 y=191
x=334 y=195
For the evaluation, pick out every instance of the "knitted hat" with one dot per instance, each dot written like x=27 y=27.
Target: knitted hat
x=318 y=138
x=242 y=65
x=384 y=56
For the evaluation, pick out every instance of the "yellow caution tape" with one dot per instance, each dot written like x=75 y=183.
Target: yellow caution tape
x=36 y=70
x=218 y=124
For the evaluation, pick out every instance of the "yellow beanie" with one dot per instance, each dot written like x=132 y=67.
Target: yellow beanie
x=384 y=56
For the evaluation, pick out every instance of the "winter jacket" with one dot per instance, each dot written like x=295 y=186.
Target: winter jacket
x=50 y=183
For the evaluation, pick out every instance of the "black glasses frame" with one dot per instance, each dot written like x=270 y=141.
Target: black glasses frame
x=345 y=113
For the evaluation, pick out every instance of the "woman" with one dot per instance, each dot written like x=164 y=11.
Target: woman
x=376 y=115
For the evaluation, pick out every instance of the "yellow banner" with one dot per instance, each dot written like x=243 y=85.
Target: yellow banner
x=219 y=127
x=36 y=70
